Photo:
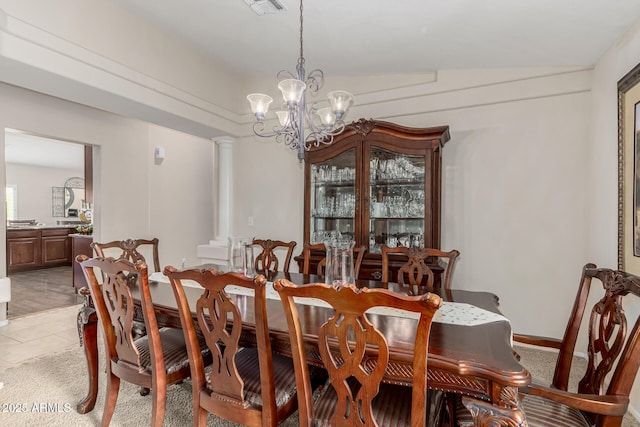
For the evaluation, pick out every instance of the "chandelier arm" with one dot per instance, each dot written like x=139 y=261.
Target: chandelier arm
x=285 y=74
x=288 y=139
x=309 y=114
x=259 y=129
x=315 y=81
x=316 y=139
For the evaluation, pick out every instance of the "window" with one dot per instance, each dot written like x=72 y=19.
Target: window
x=12 y=201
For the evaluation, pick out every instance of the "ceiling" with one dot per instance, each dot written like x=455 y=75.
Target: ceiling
x=402 y=36
x=373 y=37
x=22 y=148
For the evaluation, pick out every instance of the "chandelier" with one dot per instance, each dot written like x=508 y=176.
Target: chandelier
x=323 y=123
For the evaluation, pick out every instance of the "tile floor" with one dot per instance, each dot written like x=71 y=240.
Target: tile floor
x=39 y=290
x=37 y=334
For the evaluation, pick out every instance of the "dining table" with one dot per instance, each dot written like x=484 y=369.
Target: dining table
x=470 y=346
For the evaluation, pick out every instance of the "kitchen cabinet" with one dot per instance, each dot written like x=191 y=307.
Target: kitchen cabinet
x=378 y=183
x=35 y=248
x=56 y=247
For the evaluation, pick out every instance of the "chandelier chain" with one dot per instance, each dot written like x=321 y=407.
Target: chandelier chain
x=301 y=58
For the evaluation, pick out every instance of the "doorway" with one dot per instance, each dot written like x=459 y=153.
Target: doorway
x=49 y=194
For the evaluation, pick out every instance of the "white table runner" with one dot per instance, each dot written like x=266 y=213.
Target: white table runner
x=453 y=313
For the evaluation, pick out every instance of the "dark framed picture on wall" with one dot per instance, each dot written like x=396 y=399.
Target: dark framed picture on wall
x=629 y=172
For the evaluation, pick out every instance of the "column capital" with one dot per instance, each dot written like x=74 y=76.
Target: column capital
x=224 y=140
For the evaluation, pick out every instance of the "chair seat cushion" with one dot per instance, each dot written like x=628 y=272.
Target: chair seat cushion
x=284 y=378
x=543 y=412
x=391 y=407
x=173 y=348
x=540 y=412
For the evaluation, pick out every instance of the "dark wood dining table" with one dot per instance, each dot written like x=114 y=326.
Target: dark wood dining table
x=476 y=361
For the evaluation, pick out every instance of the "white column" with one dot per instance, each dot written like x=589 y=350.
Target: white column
x=225 y=186
x=217 y=250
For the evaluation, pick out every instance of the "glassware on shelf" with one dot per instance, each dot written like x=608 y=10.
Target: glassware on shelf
x=332 y=174
x=323 y=236
x=395 y=169
x=343 y=205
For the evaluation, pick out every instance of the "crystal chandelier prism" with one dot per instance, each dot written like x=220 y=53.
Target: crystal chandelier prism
x=322 y=123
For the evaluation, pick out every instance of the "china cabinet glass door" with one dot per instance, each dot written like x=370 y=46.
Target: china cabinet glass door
x=397 y=199
x=333 y=198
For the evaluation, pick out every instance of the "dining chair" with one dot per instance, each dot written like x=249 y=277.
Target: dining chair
x=153 y=361
x=418 y=267
x=129 y=249
x=355 y=353
x=358 y=252
x=247 y=385
x=601 y=396
x=267 y=260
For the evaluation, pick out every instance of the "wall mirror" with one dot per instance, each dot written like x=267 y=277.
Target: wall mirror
x=67 y=201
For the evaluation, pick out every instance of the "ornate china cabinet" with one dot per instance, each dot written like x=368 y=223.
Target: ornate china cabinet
x=378 y=183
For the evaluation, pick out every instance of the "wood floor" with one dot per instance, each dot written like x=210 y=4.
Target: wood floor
x=39 y=290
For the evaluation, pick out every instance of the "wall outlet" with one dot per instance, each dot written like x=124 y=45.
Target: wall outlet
x=250 y=221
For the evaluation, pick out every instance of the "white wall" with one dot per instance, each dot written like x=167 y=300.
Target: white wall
x=133 y=196
x=603 y=164
x=514 y=182
x=34 y=189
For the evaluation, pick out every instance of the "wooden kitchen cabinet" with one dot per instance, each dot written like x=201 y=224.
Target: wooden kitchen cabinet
x=378 y=183
x=36 y=248
x=56 y=248
x=23 y=250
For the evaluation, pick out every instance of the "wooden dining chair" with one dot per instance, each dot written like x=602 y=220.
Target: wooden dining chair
x=154 y=361
x=417 y=270
x=613 y=350
x=358 y=252
x=267 y=260
x=129 y=249
x=355 y=353
x=247 y=385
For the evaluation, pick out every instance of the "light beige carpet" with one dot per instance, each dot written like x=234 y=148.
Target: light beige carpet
x=44 y=392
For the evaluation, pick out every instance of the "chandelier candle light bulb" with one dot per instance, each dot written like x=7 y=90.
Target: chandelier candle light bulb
x=300 y=116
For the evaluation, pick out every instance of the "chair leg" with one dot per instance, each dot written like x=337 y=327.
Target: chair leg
x=113 y=388
x=451 y=409
x=200 y=417
x=159 y=404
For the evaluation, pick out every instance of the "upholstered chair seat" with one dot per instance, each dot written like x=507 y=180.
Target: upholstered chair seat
x=540 y=412
x=248 y=365
x=390 y=408
x=173 y=351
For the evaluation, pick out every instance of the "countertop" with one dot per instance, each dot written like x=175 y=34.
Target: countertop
x=38 y=227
